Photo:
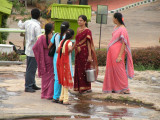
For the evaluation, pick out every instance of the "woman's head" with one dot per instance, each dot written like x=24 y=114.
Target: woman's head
x=64 y=28
x=82 y=20
x=118 y=19
x=69 y=34
x=48 y=29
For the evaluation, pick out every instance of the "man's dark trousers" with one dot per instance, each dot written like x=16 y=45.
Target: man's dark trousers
x=30 y=72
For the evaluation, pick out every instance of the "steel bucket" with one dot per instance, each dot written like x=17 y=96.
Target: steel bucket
x=91 y=75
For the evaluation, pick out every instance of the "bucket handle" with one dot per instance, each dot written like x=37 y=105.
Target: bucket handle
x=88 y=62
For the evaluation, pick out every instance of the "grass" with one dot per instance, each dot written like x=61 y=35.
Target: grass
x=22 y=57
x=140 y=67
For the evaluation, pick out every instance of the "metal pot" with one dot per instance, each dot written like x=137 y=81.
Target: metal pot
x=91 y=75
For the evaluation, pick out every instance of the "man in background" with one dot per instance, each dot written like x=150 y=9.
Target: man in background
x=33 y=30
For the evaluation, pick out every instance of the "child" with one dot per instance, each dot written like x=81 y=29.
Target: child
x=64 y=66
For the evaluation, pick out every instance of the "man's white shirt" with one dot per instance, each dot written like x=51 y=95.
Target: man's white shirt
x=33 y=30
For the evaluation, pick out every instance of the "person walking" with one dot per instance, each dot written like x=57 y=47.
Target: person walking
x=45 y=62
x=33 y=30
x=116 y=76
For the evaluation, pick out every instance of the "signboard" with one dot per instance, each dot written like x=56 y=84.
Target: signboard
x=101 y=18
x=102 y=13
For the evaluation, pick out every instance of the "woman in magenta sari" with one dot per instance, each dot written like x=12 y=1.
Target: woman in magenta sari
x=84 y=55
x=45 y=62
x=116 y=75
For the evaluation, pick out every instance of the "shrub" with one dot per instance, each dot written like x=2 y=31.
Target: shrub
x=147 y=57
x=143 y=58
x=101 y=57
x=9 y=57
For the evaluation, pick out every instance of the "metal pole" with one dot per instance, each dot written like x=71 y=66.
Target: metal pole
x=100 y=32
x=59 y=1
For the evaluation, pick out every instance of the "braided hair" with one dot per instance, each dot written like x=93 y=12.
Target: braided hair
x=64 y=28
x=48 y=29
x=69 y=35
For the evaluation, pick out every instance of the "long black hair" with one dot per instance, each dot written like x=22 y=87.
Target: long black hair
x=64 y=28
x=48 y=29
x=69 y=35
x=84 y=18
x=119 y=17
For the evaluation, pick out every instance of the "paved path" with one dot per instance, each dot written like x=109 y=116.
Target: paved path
x=14 y=102
x=112 y=4
x=143 y=25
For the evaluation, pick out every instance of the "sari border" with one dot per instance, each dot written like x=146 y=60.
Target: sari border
x=118 y=91
x=125 y=41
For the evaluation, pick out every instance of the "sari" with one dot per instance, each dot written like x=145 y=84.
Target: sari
x=63 y=66
x=116 y=75
x=45 y=67
x=81 y=63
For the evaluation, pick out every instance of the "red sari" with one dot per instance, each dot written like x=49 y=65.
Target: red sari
x=63 y=66
x=81 y=56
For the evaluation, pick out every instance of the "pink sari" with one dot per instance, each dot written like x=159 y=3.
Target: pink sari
x=45 y=67
x=116 y=75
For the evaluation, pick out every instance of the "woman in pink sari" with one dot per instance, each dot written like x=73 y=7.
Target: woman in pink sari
x=45 y=62
x=116 y=75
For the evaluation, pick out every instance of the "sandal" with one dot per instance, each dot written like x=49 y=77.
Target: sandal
x=55 y=101
x=60 y=101
x=87 y=91
x=125 y=92
x=66 y=103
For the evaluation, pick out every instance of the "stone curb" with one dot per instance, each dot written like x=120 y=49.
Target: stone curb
x=130 y=6
x=6 y=63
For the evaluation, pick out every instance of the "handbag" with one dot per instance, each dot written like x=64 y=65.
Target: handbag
x=53 y=48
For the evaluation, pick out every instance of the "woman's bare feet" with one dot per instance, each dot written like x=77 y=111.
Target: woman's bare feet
x=66 y=103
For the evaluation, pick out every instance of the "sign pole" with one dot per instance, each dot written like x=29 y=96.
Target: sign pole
x=100 y=32
x=59 y=1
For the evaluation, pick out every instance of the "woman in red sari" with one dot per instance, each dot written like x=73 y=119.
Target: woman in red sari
x=116 y=76
x=84 y=56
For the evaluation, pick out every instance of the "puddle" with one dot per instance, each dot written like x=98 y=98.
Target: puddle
x=4 y=95
x=98 y=110
x=85 y=107
x=106 y=110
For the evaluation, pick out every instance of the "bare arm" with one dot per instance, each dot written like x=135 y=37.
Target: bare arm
x=74 y=45
x=50 y=44
x=121 y=52
x=69 y=48
x=89 y=52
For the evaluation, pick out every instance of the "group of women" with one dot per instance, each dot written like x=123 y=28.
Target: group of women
x=55 y=86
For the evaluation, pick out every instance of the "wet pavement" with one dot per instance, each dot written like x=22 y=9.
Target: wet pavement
x=15 y=103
